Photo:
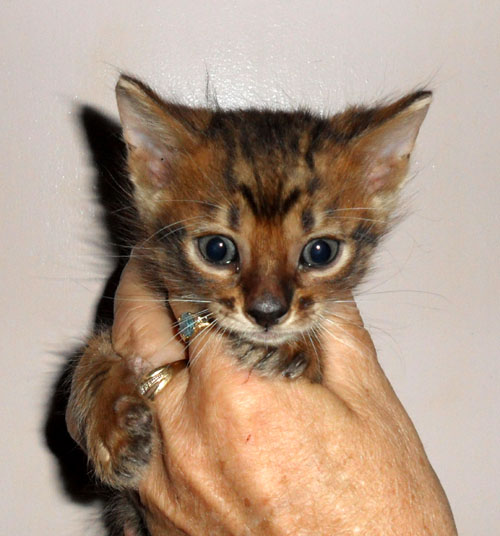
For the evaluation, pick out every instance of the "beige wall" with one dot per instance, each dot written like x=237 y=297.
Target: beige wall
x=433 y=301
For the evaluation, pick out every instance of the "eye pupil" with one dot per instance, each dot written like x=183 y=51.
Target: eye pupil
x=216 y=249
x=320 y=252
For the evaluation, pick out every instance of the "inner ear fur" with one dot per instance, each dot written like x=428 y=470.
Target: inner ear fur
x=383 y=150
x=156 y=132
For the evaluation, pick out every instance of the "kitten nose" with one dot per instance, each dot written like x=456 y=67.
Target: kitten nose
x=267 y=310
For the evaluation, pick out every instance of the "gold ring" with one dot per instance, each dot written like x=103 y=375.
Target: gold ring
x=155 y=381
x=190 y=324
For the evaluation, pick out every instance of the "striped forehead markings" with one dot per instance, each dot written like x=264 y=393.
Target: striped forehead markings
x=290 y=201
x=233 y=217
x=247 y=194
x=269 y=206
x=307 y=219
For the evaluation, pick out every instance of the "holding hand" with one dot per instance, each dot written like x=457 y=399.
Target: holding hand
x=241 y=454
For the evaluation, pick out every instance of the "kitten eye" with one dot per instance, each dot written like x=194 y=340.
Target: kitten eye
x=217 y=249
x=319 y=252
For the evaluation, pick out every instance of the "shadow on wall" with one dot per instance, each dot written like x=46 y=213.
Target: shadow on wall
x=113 y=190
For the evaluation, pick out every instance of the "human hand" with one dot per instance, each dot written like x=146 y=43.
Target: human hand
x=241 y=454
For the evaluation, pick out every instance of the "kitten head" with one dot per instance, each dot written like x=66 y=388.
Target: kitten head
x=265 y=218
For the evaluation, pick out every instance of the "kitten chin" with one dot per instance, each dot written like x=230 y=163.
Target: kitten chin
x=269 y=338
x=270 y=215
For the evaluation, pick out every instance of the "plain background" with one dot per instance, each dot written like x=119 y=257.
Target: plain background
x=432 y=301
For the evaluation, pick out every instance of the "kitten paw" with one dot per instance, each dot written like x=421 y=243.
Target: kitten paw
x=124 y=441
x=296 y=366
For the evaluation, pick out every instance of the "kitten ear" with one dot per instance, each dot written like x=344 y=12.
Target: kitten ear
x=385 y=148
x=155 y=132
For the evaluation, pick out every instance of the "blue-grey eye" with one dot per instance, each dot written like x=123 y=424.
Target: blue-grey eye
x=218 y=249
x=319 y=252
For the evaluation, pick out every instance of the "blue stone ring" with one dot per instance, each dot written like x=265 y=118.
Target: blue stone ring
x=190 y=324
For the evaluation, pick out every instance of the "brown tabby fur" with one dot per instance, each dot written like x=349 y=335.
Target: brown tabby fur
x=270 y=180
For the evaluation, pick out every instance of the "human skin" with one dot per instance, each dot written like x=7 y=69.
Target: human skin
x=244 y=455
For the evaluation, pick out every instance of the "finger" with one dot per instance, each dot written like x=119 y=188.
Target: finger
x=157 y=491
x=214 y=363
x=350 y=366
x=217 y=377
x=142 y=329
x=208 y=349
x=216 y=372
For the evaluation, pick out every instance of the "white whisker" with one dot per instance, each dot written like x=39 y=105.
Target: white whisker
x=170 y=225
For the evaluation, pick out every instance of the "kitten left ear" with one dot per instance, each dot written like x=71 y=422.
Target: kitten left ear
x=385 y=149
x=156 y=132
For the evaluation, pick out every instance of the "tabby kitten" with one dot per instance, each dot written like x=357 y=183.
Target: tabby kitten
x=264 y=220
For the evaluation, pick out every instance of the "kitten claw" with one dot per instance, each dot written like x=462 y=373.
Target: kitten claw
x=296 y=366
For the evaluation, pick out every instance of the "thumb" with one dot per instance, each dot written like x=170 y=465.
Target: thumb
x=142 y=328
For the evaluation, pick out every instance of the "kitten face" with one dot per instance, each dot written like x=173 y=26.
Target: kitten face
x=266 y=290
x=263 y=219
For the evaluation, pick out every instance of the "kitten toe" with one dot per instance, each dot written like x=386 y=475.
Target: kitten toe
x=296 y=366
x=125 y=444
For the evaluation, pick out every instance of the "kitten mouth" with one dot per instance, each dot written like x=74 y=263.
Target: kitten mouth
x=268 y=337
x=273 y=336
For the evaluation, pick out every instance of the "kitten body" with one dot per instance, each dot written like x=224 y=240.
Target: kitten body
x=263 y=220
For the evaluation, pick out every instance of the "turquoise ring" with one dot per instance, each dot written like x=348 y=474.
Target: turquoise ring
x=190 y=324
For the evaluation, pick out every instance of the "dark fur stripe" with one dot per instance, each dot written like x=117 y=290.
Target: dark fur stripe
x=97 y=380
x=307 y=219
x=313 y=185
x=234 y=217
x=364 y=234
x=290 y=201
x=249 y=198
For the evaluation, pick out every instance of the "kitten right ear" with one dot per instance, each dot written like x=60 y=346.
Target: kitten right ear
x=385 y=148
x=154 y=132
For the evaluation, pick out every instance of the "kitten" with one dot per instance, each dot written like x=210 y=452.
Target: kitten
x=264 y=220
